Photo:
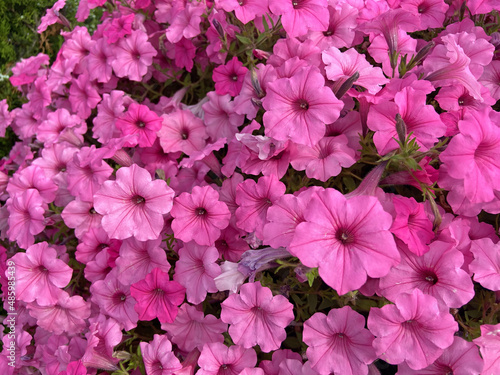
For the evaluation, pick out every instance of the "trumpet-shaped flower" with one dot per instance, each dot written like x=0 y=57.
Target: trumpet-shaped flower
x=133 y=204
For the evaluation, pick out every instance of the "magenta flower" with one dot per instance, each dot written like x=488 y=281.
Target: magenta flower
x=217 y=359
x=186 y=22
x=196 y=269
x=491 y=78
x=133 y=204
x=416 y=330
x=300 y=16
x=411 y=224
x=245 y=10
x=134 y=55
x=347 y=239
x=489 y=345
x=298 y=108
x=462 y=357
x=338 y=342
x=40 y=275
x=83 y=96
x=157 y=297
x=192 y=329
x=229 y=78
x=199 y=216
x=158 y=356
x=431 y=12
x=140 y=120
x=220 y=117
x=256 y=317
x=437 y=273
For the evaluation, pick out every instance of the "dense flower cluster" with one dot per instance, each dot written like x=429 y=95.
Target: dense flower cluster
x=256 y=187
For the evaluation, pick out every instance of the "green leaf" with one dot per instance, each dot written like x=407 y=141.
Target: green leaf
x=311 y=276
x=264 y=22
x=243 y=39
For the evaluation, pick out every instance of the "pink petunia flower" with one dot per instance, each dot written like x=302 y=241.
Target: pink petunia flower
x=217 y=358
x=437 y=273
x=133 y=204
x=489 y=346
x=411 y=224
x=199 y=216
x=182 y=131
x=68 y=314
x=196 y=269
x=186 y=22
x=158 y=356
x=102 y=336
x=32 y=177
x=192 y=329
x=245 y=10
x=298 y=108
x=229 y=78
x=220 y=117
x=157 y=297
x=51 y=16
x=40 y=274
x=134 y=55
x=486 y=263
x=256 y=317
x=254 y=199
x=491 y=78
x=416 y=330
x=338 y=342
x=119 y=28
x=83 y=96
x=139 y=119
x=300 y=16
x=462 y=357
x=26 y=217
x=100 y=61
x=348 y=239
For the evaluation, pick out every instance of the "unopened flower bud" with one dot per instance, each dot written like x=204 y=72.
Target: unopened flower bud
x=256 y=84
x=259 y=54
x=401 y=129
x=347 y=85
x=257 y=103
x=218 y=28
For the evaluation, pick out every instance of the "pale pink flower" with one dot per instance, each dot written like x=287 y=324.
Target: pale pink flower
x=102 y=336
x=489 y=346
x=120 y=27
x=256 y=317
x=134 y=55
x=430 y=12
x=108 y=111
x=486 y=263
x=182 y=131
x=416 y=330
x=199 y=216
x=51 y=16
x=220 y=117
x=26 y=217
x=348 y=239
x=81 y=216
x=298 y=108
x=245 y=10
x=100 y=60
x=437 y=273
x=196 y=269
x=138 y=258
x=491 y=78
x=158 y=356
x=157 y=297
x=192 y=329
x=32 y=177
x=462 y=357
x=40 y=274
x=133 y=204
x=68 y=314
x=83 y=96
x=254 y=198
x=216 y=358
x=186 y=22
x=338 y=342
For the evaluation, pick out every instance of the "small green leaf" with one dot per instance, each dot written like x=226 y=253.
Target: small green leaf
x=311 y=276
x=264 y=22
x=243 y=39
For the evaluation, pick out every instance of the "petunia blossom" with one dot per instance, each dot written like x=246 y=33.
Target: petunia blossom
x=199 y=216
x=229 y=78
x=489 y=345
x=300 y=16
x=140 y=120
x=157 y=297
x=133 y=204
x=216 y=358
x=347 y=239
x=158 y=356
x=338 y=342
x=256 y=317
x=298 y=108
x=416 y=330
x=486 y=263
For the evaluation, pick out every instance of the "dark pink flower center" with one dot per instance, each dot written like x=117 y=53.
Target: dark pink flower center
x=43 y=269
x=138 y=200
x=234 y=78
x=185 y=134
x=297 y=4
x=119 y=298
x=344 y=236
x=430 y=277
x=200 y=211
x=141 y=124
x=304 y=105
x=221 y=245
